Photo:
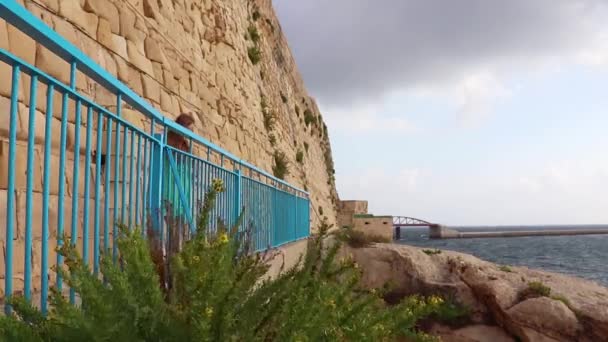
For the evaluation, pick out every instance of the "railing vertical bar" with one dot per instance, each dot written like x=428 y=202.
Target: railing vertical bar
x=138 y=174
x=87 y=188
x=97 y=194
x=116 y=177
x=44 y=281
x=27 y=283
x=108 y=180
x=61 y=190
x=75 y=187
x=123 y=176
x=132 y=156
x=144 y=187
x=10 y=206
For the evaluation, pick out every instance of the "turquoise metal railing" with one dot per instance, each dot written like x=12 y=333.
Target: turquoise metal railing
x=122 y=170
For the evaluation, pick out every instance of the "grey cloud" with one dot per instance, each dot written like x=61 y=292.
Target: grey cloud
x=359 y=49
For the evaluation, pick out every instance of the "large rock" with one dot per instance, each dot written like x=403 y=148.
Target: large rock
x=493 y=293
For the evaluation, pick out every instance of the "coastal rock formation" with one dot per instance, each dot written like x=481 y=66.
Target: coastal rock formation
x=506 y=303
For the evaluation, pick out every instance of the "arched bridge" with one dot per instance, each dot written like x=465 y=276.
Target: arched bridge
x=405 y=221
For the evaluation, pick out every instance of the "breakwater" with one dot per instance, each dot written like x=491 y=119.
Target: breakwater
x=445 y=232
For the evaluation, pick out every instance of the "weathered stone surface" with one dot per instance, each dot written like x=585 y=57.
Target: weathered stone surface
x=154 y=51
x=151 y=88
x=551 y=317
x=473 y=333
x=492 y=294
x=138 y=59
x=21 y=45
x=73 y=12
x=105 y=9
x=20 y=167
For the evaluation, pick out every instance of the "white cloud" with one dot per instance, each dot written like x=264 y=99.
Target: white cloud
x=366 y=119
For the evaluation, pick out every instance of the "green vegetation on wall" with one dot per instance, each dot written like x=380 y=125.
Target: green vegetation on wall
x=280 y=169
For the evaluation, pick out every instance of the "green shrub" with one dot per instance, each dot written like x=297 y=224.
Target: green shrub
x=506 y=268
x=255 y=55
x=358 y=239
x=253 y=33
x=306 y=146
x=308 y=117
x=561 y=299
x=217 y=292
x=535 y=289
x=280 y=169
x=300 y=156
x=431 y=251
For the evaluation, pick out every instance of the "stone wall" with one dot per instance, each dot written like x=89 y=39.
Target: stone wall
x=348 y=209
x=181 y=56
x=375 y=225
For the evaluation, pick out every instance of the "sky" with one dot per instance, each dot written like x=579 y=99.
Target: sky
x=468 y=112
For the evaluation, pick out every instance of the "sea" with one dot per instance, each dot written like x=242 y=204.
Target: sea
x=584 y=256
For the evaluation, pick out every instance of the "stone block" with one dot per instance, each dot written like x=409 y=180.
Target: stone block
x=67 y=31
x=81 y=177
x=54 y=175
x=158 y=72
x=127 y=22
x=106 y=10
x=138 y=59
x=169 y=81
x=4 y=43
x=53 y=5
x=6 y=72
x=20 y=167
x=134 y=80
x=71 y=10
x=40 y=12
x=57 y=67
x=21 y=45
x=23 y=122
x=151 y=88
x=154 y=51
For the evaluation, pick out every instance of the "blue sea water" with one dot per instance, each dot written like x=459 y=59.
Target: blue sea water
x=584 y=256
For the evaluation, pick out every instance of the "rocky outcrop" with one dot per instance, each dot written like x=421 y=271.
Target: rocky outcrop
x=506 y=303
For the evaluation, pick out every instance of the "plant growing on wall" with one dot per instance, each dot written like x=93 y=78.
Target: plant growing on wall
x=255 y=55
x=306 y=146
x=253 y=33
x=300 y=156
x=280 y=169
x=308 y=117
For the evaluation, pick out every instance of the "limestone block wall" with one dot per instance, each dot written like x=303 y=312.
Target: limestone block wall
x=348 y=209
x=226 y=61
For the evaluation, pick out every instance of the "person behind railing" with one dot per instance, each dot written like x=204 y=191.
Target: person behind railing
x=176 y=209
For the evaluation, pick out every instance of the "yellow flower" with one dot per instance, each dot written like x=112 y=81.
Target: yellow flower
x=209 y=312
x=196 y=259
x=331 y=303
x=223 y=238
x=435 y=300
x=218 y=185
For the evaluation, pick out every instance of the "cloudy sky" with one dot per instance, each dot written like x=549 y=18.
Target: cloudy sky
x=462 y=112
